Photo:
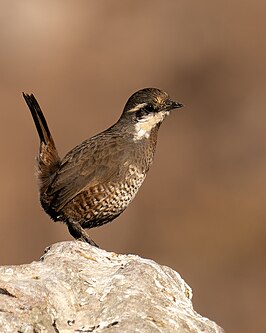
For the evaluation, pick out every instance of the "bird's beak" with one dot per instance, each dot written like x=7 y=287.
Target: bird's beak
x=170 y=105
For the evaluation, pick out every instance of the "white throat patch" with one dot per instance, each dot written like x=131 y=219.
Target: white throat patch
x=144 y=126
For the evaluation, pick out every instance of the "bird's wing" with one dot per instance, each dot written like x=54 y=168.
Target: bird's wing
x=91 y=163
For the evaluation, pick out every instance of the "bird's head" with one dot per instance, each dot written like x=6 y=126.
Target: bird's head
x=146 y=109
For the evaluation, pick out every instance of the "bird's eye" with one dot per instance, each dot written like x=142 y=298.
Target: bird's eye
x=144 y=111
x=149 y=108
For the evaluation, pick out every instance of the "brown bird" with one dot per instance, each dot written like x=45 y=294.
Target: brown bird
x=95 y=182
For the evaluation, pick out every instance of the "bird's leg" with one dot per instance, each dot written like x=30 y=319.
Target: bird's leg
x=79 y=233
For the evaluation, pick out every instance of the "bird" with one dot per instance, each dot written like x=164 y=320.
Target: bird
x=96 y=180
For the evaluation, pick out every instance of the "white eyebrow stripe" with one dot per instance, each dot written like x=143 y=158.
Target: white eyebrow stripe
x=137 y=107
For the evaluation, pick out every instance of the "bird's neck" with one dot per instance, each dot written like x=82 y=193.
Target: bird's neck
x=148 y=126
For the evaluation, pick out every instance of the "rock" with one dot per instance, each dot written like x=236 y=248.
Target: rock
x=79 y=288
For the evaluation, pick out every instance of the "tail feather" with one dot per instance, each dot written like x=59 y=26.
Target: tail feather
x=48 y=159
x=38 y=117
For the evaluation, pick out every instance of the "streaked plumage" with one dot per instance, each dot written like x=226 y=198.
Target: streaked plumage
x=96 y=180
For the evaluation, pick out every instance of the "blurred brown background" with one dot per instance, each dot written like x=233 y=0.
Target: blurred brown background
x=202 y=207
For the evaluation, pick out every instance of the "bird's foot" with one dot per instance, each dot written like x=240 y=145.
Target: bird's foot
x=79 y=233
x=87 y=239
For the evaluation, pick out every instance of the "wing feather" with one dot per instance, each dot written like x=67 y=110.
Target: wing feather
x=91 y=163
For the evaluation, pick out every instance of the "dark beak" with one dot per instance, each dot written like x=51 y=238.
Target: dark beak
x=170 y=105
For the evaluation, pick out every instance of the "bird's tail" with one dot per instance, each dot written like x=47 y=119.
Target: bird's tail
x=48 y=159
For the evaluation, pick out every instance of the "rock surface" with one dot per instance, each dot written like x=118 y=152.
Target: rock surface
x=78 y=288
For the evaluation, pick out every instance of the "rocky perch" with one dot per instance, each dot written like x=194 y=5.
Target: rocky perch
x=75 y=287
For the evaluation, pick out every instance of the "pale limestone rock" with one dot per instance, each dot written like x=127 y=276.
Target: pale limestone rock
x=78 y=288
